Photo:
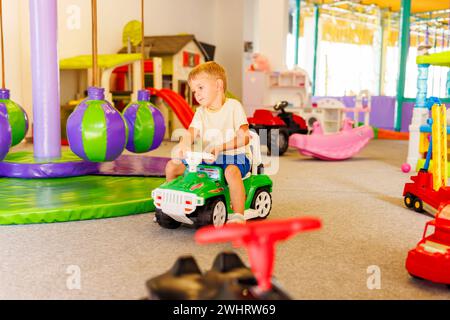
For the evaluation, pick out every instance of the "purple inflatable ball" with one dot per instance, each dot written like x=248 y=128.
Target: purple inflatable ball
x=5 y=132
x=145 y=124
x=17 y=117
x=96 y=131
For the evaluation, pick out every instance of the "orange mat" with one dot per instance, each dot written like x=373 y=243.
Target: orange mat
x=392 y=135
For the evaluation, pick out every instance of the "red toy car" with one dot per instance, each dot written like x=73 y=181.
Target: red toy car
x=430 y=259
x=286 y=122
x=420 y=195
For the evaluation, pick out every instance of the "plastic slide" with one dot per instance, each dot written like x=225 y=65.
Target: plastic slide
x=181 y=108
x=338 y=146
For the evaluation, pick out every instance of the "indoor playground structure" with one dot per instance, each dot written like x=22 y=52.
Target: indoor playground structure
x=429 y=191
x=338 y=124
x=419 y=129
x=92 y=180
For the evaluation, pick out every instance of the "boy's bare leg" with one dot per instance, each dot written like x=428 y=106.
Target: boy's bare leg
x=174 y=169
x=237 y=191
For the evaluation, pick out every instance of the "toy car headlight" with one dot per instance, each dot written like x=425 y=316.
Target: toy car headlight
x=155 y=193
x=200 y=201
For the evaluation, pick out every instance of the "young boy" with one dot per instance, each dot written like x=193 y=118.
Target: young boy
x=221 y=126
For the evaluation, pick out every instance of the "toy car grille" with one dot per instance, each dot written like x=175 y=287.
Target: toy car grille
x=176 y=201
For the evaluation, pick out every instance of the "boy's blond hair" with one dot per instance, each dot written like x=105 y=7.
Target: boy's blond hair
x=210 y=68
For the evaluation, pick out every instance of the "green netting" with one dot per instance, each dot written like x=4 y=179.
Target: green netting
x=68 y=199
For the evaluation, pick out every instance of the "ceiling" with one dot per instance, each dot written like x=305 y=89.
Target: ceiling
x=394 y=5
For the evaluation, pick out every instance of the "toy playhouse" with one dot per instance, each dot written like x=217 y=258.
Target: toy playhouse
x=179 y=54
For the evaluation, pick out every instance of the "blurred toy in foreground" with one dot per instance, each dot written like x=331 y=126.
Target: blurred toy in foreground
x=229 y=278
x=430 y=260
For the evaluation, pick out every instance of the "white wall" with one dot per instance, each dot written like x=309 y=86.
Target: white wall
x=229 y=40
x=272 y=24
x=161 y=17
x=17 y=71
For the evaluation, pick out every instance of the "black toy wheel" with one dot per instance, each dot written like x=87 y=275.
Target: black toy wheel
x=214 y=212
x=262 y=202
x=418 y=205
x=165 y=221
x=409 y=200
x=278 y=141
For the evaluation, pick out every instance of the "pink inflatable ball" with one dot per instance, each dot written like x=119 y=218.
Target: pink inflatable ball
x=406 y=167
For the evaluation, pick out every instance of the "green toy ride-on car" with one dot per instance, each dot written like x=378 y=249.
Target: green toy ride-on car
x=201 y=196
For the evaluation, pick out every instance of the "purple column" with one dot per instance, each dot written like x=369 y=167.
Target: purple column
x=45 y=79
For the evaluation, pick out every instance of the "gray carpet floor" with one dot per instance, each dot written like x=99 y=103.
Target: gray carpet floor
x=364 y=224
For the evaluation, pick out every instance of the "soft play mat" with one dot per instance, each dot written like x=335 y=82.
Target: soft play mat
x=26 y=201
x=46 y=192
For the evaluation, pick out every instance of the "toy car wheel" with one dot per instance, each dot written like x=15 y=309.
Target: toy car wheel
x=214 y=212
x=262 y=202
x=278 y=141
x=165 y=221
x=409 y=200
x=418 y=205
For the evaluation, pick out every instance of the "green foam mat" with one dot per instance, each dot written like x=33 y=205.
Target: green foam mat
x=26 y=201
x=27 y=157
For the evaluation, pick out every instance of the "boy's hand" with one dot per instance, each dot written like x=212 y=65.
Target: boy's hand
x=181 y=150
x=215 y=151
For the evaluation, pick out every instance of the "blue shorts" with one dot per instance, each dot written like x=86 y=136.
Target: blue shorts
x=223 y=161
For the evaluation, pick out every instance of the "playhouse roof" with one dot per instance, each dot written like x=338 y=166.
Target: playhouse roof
x=435 y=59
x=169 y=45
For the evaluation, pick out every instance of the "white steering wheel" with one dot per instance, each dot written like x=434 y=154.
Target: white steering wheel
x=193 y=159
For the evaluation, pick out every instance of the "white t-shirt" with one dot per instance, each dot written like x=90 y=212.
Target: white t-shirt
x=218 y=127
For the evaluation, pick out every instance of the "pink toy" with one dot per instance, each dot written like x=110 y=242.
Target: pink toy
x=317 y=128
x=406 y=167
x=259 y=63
x=337 y=146
x=348 y=125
